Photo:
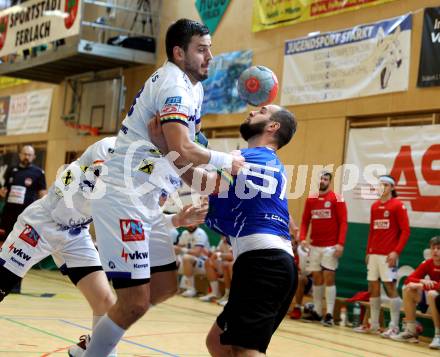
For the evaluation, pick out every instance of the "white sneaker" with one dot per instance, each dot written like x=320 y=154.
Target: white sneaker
x=406 y=336
x=367 y=329
x=391 y=331
x=435 y=344
x=189 y=293
x=222 y=302
x=209 y=297
x=80 y=348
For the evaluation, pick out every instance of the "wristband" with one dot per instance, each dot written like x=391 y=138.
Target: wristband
x=220 y=160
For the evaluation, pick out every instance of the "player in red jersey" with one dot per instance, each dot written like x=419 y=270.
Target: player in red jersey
x=417 y=284
x=389 y=232
x=327 y=213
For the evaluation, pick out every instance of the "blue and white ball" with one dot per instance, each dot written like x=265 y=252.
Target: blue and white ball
x=258 y=86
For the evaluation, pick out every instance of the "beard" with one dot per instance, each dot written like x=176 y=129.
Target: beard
x=248 y=130
x=322 y=187
x=194 y=72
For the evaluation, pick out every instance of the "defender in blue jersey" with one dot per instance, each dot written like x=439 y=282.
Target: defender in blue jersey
x=253 y=214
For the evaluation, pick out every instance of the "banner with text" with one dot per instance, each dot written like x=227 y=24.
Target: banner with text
x=29 y=112
x=411 y=155
x=429 y=66
x=221 y=95
x=37 y=22
x=365 y=60
x=269 y=14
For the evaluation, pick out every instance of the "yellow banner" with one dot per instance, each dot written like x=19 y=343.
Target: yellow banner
x=6 y=82
x=269 y=14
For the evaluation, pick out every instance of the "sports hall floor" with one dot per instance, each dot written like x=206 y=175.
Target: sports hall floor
x=33 y=324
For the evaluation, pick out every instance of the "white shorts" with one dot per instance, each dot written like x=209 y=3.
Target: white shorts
x=123 y=231
x=161 y=245
x=378 y=269
x=303 y=260
x=322 y=258
x=36 y=236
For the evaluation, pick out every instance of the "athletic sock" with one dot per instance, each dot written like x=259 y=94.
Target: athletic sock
x=190 y=282
x=330 y=298
x=96 y=319
x=437 y=331
x=214 y=287
x=318 y=294
x=411 y=327
x=395 y=304
x=106 y=336
x=375 y=311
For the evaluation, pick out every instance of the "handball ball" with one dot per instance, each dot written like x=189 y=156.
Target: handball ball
x=258 y=86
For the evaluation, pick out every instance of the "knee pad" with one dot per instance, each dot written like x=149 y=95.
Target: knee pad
x=7 y=281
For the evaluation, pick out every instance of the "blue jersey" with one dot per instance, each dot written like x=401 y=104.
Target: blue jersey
x=256 y=200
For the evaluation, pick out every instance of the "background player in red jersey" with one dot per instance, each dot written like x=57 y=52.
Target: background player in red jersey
x=389 y=232
x=327 y=213
x=417 y=284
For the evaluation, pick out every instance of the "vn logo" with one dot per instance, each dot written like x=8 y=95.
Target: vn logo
x=30 y=235
x=131 y=230
x=134 y=256
x=404 y=169
x=19 y=252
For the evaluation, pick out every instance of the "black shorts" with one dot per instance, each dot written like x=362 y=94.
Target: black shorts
x=263 y=285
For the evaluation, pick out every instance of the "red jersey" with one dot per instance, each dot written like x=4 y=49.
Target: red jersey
x=426 y=268
x=389 y=227
x=328 y=214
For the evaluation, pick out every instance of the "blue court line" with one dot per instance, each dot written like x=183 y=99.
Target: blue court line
x=123 y=339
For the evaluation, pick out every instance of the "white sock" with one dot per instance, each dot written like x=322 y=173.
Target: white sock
x=96 y=319
x=437 y=331
x=226 y=292
x=375 y=311
x=190 y=282
x=411 y=327
x=395 y=304
x=106 y=336
x=214 y=287
x=330 y=298
x=318 y=294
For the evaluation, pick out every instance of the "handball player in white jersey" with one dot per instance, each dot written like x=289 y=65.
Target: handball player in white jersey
x=137 y=172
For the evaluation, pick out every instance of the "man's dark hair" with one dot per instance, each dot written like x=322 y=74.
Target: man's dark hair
x=287 y=126
x=328 y=174
x=434 y=241
x=180 y=33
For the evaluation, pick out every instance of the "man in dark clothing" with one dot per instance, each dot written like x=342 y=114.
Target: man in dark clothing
x=24 y=183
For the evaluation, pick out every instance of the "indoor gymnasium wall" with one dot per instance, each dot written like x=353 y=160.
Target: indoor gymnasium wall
x=321 y=132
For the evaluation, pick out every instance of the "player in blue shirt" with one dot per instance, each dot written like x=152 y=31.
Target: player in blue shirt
x=253 y=214
x=251 y=211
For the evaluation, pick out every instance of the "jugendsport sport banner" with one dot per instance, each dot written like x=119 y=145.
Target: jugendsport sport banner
x=411 y=155
x=366 y=60
x=38 y=22
x=269 y=14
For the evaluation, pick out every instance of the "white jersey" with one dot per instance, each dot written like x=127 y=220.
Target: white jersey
x=68 y=199
x=194 y=239
x=136 y=161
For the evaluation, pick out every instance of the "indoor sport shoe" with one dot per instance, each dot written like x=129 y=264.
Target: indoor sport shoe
x=209 y=297
x=391 y=331
x=295 y=313
x=78 y=349
x=327 y=321
x=222 y=302
x=367 y=329
x=435 y=344
x=189 y=293
x=406 y=336
x=312 y=317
